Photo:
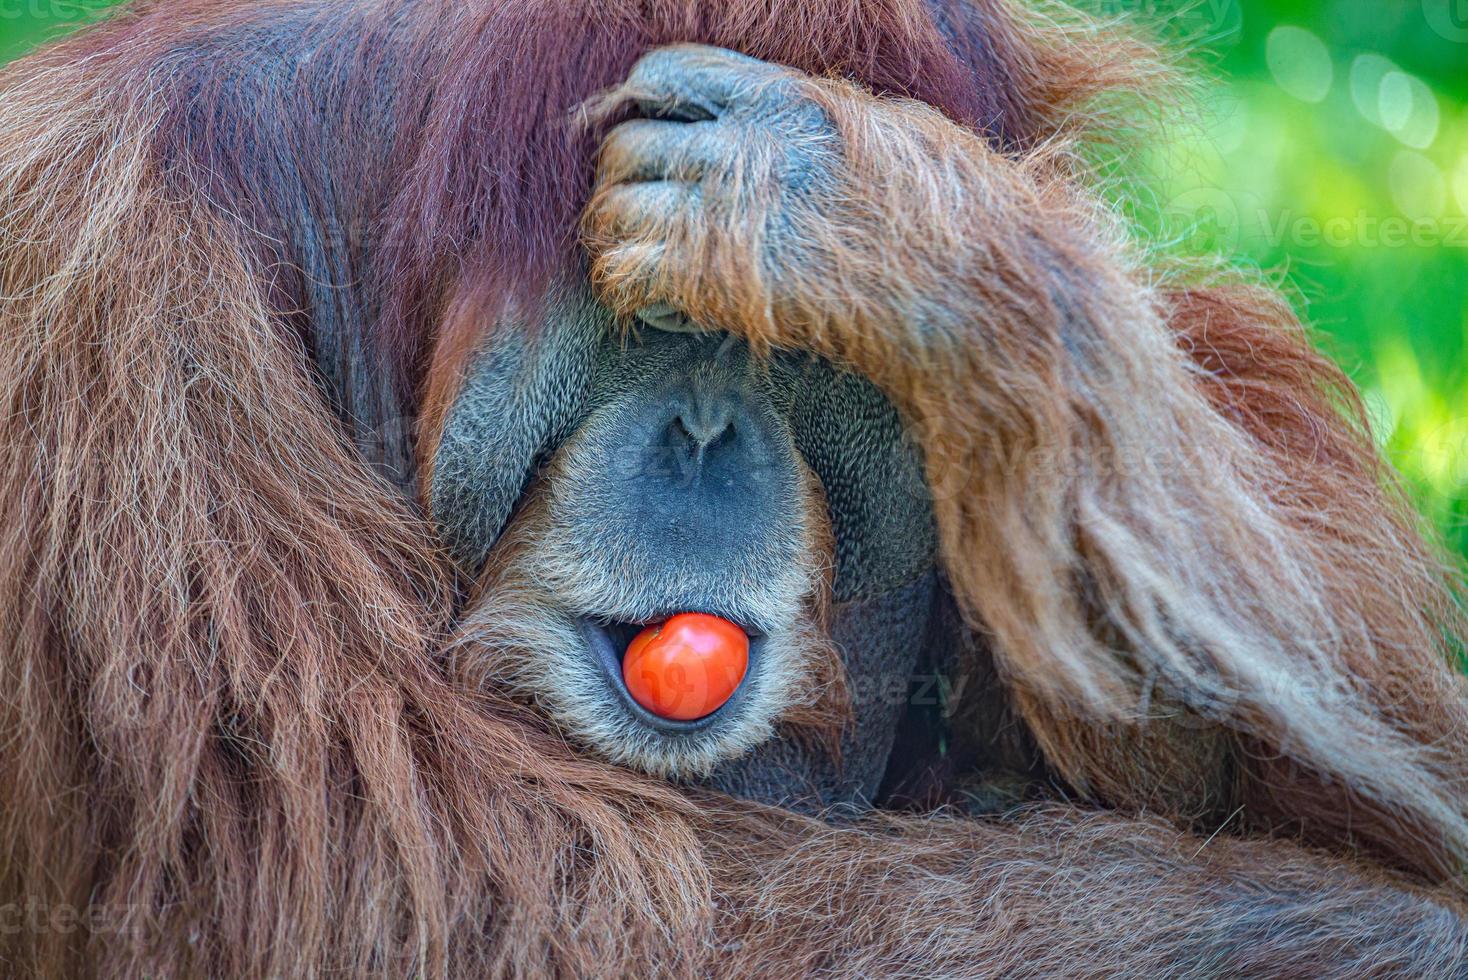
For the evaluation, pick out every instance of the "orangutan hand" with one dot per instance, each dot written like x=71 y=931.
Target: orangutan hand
x=749 y=194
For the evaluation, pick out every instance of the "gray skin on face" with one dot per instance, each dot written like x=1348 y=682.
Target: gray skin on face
x=695 y=493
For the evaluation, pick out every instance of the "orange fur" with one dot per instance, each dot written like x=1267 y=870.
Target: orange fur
x=230 y=747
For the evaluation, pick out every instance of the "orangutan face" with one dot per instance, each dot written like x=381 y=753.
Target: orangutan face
x=666 y=471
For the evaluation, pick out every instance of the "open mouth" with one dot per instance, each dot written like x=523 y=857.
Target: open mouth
x=609 y=640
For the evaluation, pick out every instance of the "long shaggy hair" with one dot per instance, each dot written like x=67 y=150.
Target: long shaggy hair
x=230 y=744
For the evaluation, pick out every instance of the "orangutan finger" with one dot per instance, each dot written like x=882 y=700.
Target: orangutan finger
x=640 y=211
x=635 y=275
x=694 y=82
x=659 y=149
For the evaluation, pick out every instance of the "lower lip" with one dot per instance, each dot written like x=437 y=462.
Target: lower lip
x=610 y=660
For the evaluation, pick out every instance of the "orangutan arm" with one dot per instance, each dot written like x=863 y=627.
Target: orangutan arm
x=1062 y=892
x=1196 y=556
x=807 y=213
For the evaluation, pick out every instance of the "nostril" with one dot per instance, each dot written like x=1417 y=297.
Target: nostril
x=722 y=439
x=678 y=432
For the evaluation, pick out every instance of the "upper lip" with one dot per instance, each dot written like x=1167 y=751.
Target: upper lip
x=605 y=650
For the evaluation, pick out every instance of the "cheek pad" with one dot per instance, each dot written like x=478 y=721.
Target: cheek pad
x=525 y=392
x=881 y=510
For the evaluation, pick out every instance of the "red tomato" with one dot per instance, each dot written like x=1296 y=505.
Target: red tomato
x=686 y=667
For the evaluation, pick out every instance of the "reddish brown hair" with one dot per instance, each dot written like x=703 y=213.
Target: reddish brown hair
x=228 y=741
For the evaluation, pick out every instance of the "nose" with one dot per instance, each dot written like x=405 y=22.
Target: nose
x=699 y=418
x=691 y=467
x=704 y=423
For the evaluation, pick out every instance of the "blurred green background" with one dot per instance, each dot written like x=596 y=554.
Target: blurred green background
x=1331 y=152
